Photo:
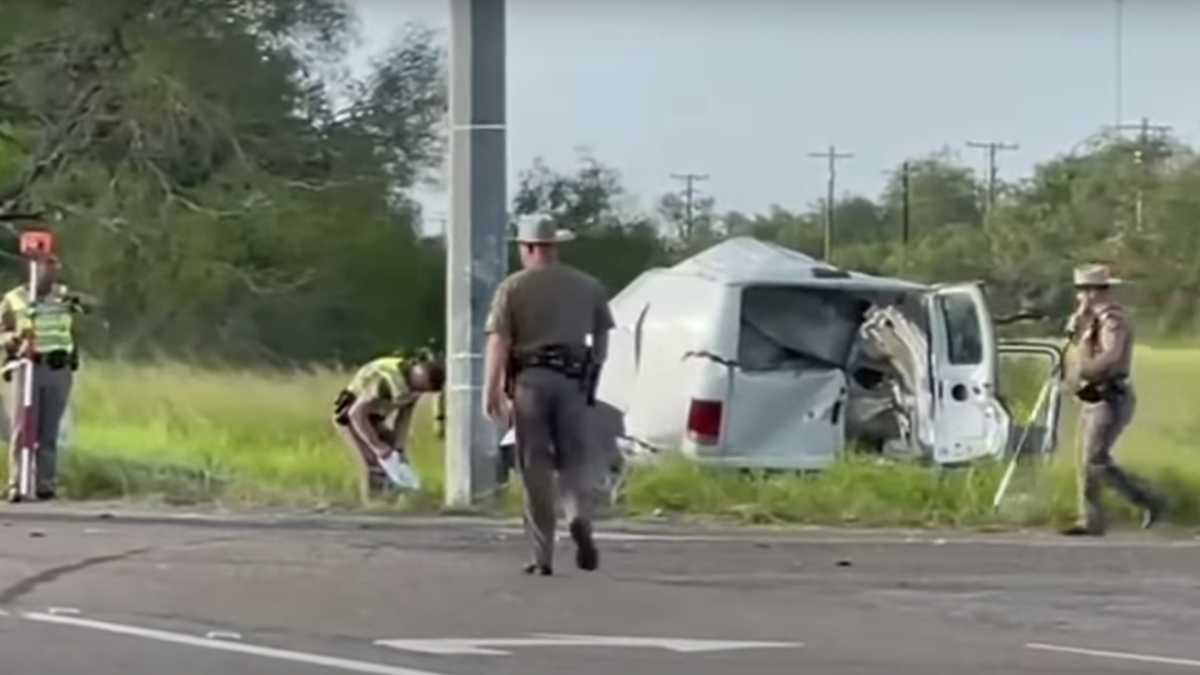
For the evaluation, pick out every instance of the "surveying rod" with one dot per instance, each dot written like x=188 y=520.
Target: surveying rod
x=36 y=246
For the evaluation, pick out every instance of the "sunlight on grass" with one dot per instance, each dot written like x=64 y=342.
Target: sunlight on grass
x=187 y=435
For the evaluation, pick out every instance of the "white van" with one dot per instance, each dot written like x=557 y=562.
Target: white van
x=756 y=356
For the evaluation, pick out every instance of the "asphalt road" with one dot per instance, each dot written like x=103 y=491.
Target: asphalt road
x=120 y=597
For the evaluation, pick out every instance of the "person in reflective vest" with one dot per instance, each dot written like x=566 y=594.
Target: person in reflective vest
x=47 y=335
x=373 y=415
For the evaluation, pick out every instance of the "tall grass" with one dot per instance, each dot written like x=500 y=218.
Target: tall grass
x=179 y=434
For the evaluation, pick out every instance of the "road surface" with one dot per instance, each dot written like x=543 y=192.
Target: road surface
x=121 y=596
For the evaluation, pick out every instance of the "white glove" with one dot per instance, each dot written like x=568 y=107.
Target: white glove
x=400 y=473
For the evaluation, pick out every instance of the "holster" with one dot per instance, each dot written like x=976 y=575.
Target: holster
x=341 y=407
x=573 y=364
x=1101 y=391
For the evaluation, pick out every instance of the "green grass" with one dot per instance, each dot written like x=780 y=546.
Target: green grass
x=185 y=435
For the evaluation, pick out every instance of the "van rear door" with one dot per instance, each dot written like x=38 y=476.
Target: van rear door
x=969 y=421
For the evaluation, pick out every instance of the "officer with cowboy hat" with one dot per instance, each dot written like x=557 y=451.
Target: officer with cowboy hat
x=1103 y=333
x=538 y=372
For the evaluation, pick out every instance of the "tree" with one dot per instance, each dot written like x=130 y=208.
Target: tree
x=199 y=170
x=690 y=232
x=940 y=192
x=585 y=201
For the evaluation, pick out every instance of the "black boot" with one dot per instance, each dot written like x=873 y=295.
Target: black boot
x=535 y=568
x=586 y=555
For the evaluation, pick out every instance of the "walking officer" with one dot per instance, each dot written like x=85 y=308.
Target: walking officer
x=539 y=376
x=1105 y=360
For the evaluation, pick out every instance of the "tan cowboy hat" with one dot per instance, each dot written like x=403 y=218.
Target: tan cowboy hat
x=537 y=229
x=1095 y=276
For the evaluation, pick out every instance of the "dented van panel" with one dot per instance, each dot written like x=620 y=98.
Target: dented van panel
x=752 y=355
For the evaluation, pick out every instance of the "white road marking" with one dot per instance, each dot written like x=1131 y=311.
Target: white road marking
x=1146 y=658
x=492 y=646
x=222 y=635
x=58 y=611
x=265 y=652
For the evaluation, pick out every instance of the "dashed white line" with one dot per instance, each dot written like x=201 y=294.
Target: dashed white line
x=222 y=635
x=265 y=652
x=1124 y=656
x=59 y=611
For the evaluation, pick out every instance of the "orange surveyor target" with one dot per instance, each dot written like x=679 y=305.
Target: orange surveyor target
x=37 y=244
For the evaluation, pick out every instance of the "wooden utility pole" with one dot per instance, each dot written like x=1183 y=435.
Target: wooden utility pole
x=833 y=156
x=688 y=195
x=992 y=147
x=1139 y=157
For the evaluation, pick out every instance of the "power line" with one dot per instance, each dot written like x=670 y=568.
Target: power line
x=833 y=156
x=992 y=147
x=689 y=194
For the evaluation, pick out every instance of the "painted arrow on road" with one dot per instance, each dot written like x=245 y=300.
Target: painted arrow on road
x=493 y=646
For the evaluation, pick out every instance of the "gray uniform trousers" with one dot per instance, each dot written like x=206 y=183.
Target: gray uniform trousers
x=551 y=415
x=51 y=391
x=1100 y=425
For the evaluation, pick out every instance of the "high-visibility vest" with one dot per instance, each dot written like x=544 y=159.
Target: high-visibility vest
x=52 y=321
x=382 y=379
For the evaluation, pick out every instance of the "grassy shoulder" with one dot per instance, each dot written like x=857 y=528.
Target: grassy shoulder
x=235 y=439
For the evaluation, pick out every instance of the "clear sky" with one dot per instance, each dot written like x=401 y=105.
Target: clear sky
x=743 y=90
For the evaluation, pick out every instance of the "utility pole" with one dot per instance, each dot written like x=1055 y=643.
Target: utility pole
x=475 y=242
x=833 y=156
x=992 y=147
x=690 y=179
x=1139 y=157
x=905 y=197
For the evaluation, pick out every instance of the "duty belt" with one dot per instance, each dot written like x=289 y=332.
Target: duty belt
x=559 y=358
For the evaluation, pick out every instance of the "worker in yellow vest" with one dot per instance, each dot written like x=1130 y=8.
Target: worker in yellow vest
x=373 y=415
x=47 y=335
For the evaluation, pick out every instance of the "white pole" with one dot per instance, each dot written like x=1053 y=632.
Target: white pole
x=475 y=243
x=28 y=465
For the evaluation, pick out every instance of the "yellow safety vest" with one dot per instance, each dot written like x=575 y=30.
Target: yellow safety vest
x=382 y=379
x=51 y=322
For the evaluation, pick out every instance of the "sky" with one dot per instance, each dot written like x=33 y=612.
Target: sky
x=744 y=90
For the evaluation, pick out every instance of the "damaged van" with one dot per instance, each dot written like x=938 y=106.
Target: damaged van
x=752 y=355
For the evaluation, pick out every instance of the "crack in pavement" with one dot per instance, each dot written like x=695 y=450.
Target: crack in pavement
x=25 y=586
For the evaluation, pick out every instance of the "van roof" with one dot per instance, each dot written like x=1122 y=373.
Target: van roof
x=743 y=261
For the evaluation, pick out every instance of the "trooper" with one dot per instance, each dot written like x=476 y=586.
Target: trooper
x=1105 y=359
x=539 y=376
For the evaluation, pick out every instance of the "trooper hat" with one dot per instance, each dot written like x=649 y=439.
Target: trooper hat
x=1095 y=275
x=538 y=229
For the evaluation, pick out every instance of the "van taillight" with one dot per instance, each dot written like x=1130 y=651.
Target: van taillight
x=704 y=421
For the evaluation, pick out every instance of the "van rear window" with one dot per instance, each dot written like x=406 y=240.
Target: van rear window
x=786 y=327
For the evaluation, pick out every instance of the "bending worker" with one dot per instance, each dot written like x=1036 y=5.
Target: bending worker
x=537 y=353
x=1105 y=363
x=387 y=387
x=53 y=337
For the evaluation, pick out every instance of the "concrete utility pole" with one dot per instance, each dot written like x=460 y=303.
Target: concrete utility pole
x=1139 y=157
x=475 y=242
x=690 y=179
x=991 y=148
x=833 y=156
